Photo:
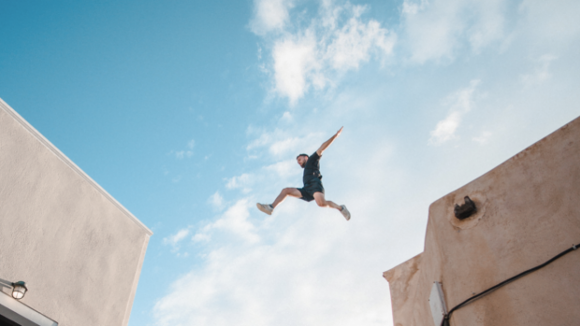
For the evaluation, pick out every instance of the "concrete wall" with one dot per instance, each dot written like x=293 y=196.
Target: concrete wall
x=528 y=211
x=78 y=250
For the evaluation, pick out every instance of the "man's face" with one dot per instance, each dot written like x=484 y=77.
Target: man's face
x=302 y=160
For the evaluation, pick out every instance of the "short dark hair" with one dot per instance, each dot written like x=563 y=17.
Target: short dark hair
x=302 y=155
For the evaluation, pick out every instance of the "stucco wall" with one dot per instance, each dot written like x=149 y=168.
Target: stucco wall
x=79 y=251
x=528 y=211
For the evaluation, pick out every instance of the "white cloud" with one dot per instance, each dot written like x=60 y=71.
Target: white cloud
x=445 y=129
x=411 y=7
x=313 y=56
x=460 y=102
x=441 y=30
x=262 y=140
x=489 y=25
x=438 y=29
x=285 y=146
x=284 y=143
x=294 y=61
x=181 y=154
x=174 y=240
x=186 y=152
x=201 y=237
x=270 y=15
x=216 y=200
x=285 y=169
x=287 y=117
x=541 y=72
x=483 y=138
x=352 y=44
x=243 y=181
x=233 y=221
x=550 y=21
x=431 y=29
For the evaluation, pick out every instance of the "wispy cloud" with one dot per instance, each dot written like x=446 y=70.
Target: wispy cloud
x=201 y=237
x=354 y=42
x=296 y=65
x=282 y=143
x=541 y=72
x=285 y=169
x=287 y=117
x=175 y=239
x=550 y=21
x=483 y=138
x=459 y=103
x=181 y=154
x=234 y=221
x=188 y=152
x=286 y=145
x=240 y=182
x=270 y=15
x=337 y=39
x=216 y=201
x=436 y=30
x=445 y=129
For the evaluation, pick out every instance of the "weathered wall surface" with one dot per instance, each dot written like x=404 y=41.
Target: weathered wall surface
x=528 y=211
x=79 y=251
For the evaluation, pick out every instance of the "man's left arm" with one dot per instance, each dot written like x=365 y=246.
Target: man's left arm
x=327 y=143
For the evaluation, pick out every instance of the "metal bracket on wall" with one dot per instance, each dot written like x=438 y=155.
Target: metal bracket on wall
x=465 y=210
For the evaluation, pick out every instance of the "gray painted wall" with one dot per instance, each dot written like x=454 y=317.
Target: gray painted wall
x=79 y=251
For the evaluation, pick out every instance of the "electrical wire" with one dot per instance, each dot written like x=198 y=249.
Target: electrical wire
x=445 y=321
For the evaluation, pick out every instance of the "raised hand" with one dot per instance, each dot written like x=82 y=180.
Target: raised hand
x=328 y=142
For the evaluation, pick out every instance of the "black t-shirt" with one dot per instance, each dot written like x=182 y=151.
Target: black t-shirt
x=312 y=169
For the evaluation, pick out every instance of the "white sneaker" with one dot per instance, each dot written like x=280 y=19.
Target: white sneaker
x=345 y=212
x=266 y=208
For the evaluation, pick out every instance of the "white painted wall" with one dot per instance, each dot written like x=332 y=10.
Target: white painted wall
x=79 y=251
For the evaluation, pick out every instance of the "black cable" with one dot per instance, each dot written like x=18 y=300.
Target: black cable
x=445 y=321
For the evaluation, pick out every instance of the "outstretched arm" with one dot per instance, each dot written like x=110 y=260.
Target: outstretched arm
x=328 y=142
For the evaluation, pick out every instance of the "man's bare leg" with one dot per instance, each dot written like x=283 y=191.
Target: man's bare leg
x=269 y=208
x=293 y=192
x=322 y=202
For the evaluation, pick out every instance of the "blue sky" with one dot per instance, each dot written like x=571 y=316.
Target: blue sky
x=190 y=112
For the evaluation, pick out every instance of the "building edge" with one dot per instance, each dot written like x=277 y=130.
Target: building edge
x=8 y=109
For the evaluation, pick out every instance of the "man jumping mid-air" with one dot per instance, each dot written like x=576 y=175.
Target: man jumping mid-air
x=313 y=189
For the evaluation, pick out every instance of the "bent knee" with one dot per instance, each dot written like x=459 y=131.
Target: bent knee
x=321 y=203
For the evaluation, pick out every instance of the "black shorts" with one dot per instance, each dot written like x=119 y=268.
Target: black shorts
x=309 y=190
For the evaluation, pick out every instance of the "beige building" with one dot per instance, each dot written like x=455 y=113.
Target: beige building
x=527 y=211
x=79 y=251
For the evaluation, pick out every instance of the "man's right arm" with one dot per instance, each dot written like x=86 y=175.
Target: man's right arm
x=327 y=143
